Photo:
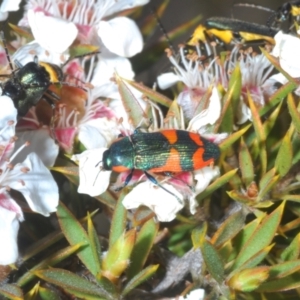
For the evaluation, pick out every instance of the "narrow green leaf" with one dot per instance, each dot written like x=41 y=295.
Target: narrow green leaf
x=217 y=184
x=261 y=238
x=233 y=137
x=75 y=234
x=249 y=279
x=246 y=164
x=213 y=261
x=119 y=219
x=243 y=236
x=278 y=96
x=293 y=250
x=294 y=112
x=227 y=113
x=268 y=125
x=254 y=260
x=199 y=235
x=235 y=82
x=47 y=294
x=267 y=182
x=52 y=260
x=74 y=284
x=117 y=258
x=11 y=291
x=94 y=241
x=83 y=50
x=260 y=133
x=284 y=157
x=139 y=278
x=150 y=93
x=144 y=242
x=284 y=269
x=228 y=229
x=130 y=103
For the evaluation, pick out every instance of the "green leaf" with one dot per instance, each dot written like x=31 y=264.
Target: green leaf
x=284 y=157
x=119 y=219
x=75 y=234
x=254 y=260
x=260 y=133
x=213 y=261
x=233 y=137
x=117 y=258
x=217 y=184
x=144 y=242
x=228 y=229
x=150 y=93
x=294 y=112
x=283 y=284
x=130 y=103
x=139 y=278
x=235 y=82
x=261 y=238
x=249 y=279
x=74 y=284
x=52 y=260
x=284 y=269
x=47 y=294
x=94 y=241
x=11 y=291
x=83 y=50
x=267 y=182
x=293 y=250
x=246 y=164
x=241 y=239
x=271 y=120
x=199 y=235
x=227 y=113
x=278 y=96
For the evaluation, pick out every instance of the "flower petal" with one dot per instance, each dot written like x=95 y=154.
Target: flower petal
x=118 y=6
x=8 y=119
x=26 y=54
x=98 y=133
x=163 y=204
x=92 y=180
x=37 y=185
x=207 y=116
x=121 y=36
x=286 y=49
x=52 y=33
x=197 y=294
x=166 y=80
x=204 y=176
x=40 y=142
x=9 y=227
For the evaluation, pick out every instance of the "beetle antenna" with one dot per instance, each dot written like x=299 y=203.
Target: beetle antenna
x=6 y=50
x=163 y=30
x=100 y=169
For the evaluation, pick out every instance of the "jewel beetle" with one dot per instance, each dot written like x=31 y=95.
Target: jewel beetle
x=229 y=30
x=287 y=11
x=30 y=83
x=166 y=151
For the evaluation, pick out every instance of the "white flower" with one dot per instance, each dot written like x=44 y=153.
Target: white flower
x=197 y=294
x=53 y=34
x=7 y=6
x=92 y=180
x=30 y=177
x=287 y=50
x=89 y=21
x=163 y=204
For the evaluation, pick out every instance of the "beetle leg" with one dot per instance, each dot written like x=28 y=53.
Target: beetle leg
x=127 y=180
x=153 y=180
